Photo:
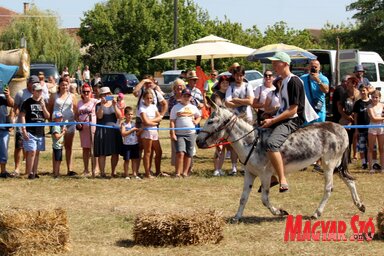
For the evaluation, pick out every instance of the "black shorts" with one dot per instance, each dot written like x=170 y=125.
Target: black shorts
x=280 y=133
x=130 y=152
x=58 y=154
x=18 y=139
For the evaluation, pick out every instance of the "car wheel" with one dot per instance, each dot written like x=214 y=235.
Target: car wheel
x=117 y=90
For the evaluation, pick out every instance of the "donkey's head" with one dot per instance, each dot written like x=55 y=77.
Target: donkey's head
x=215 y=127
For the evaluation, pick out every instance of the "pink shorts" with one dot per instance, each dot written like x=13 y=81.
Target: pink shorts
x=376 y=131
x=150 y=134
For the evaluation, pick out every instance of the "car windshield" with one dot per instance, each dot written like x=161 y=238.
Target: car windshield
x=48 y=71
x=252 y=76
x=131 y=77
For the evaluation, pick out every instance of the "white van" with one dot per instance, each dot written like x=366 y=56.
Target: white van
x=348 y=59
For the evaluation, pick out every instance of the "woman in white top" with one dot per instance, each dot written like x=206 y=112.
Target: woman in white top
x=151 y=118
x=66 y=103
x=375 y=112
x=261 y=94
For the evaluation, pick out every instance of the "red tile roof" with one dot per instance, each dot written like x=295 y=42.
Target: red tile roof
x=6 y=17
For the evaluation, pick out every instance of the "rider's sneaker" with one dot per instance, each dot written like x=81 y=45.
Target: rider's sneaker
x=376 y=166
x=364 y=166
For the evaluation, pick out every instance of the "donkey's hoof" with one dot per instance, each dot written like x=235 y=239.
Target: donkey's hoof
x=316 y=215
x=234 y=220
x=362 y=208
x=283 y=212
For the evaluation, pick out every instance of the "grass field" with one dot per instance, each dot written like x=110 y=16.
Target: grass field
x=102 y=211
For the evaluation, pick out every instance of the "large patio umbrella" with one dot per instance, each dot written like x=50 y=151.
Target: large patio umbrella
x=209 y=47
x=297 y=54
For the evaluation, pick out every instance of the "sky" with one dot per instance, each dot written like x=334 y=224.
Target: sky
x=298 y=14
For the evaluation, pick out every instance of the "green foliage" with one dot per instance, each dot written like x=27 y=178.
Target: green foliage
x=369 y=34
x=45 y=41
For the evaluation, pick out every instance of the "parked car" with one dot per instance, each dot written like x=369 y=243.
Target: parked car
x=254 y=77
x=119 y=82
x=168 y=77
x=49 y=69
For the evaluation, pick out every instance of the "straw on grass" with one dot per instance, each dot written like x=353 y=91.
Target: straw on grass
x=33 y=232
x=178 y=229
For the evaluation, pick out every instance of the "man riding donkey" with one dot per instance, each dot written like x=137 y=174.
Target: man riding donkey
x=294 y=110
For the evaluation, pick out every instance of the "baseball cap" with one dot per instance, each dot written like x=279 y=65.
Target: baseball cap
x=186 y=92
x=57 y=114
x=281 y=56
x=33 y=79
x=37 y=87
x=359 y=68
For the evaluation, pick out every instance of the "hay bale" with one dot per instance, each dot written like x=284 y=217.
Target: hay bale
x=32 y=232
x=380 y=224
x=178 y=229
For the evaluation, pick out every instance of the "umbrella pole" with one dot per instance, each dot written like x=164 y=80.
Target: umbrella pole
x=198 y=60
x=212 y=64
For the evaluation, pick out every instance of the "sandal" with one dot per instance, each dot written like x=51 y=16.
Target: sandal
x=283 y=188
x=273 y=183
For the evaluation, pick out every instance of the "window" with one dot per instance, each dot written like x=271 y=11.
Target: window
x=370 y=71
x=381 y=71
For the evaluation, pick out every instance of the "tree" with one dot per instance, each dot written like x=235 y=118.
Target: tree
x=45 y=41
x=123 y=34
x=369 y=34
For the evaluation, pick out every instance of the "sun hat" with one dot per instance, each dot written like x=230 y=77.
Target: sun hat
x=37 y=87
x=186 y=92
x=192 y=75
x=57 y=114
x=33 y=79
x=104 y=90
x=281 y=56
x=359 y=68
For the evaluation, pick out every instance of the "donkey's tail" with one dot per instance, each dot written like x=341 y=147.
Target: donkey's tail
x=342 y=169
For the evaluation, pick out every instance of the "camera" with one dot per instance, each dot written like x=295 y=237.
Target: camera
x=313 y=70
x=108 y=97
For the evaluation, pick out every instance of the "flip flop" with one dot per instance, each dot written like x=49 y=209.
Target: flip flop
x=283 y=188
x=273 y=183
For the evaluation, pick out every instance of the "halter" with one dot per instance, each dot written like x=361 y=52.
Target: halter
x=231 y=121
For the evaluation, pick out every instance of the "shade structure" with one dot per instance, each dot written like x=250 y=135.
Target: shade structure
x=209 y=47
x=297 y=54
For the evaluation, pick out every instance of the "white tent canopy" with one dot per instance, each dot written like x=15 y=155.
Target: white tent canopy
x=209 y=47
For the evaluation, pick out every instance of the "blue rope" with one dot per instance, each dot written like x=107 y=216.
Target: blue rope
x=87 y=123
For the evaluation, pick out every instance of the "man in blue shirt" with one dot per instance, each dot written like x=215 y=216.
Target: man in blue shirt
x=316 y=85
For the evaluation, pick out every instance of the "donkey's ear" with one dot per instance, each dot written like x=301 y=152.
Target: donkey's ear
x=211 y=103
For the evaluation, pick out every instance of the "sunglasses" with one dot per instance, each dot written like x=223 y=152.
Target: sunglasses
x=86 y=92
x=268 y=75
x=213 y=75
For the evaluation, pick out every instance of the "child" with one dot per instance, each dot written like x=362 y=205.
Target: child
x=130 y=147
x=375 y=112
x=57 y=142
x=151 y=118
x=361 y=117
x=184 y=115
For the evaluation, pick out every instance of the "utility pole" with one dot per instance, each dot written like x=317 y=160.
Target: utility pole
x=175 y=30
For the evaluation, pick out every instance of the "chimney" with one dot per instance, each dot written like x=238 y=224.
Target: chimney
x=26 y=7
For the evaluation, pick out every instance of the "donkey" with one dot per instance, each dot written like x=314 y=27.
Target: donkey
x=328 y=141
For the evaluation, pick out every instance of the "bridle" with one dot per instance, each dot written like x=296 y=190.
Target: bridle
x=230 y=122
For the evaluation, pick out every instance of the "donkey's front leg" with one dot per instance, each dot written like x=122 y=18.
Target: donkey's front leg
x=265 y=183
x=248 y=183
